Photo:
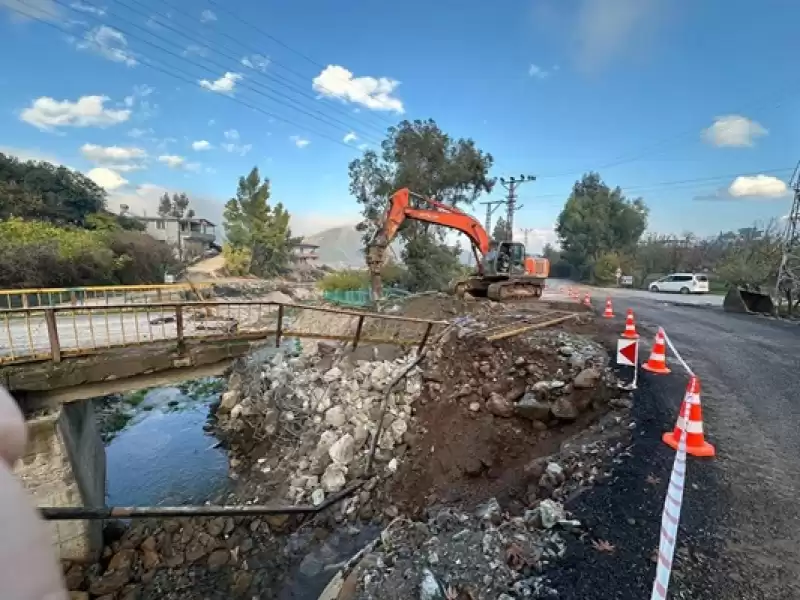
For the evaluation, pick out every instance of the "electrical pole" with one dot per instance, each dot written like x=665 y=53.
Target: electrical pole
x=511 y=202
x=525 y=232
x=788 y=284
x=491 y=206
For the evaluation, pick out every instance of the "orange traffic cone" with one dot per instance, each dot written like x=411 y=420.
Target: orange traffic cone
x=587 y=300
x=608 y=313
x=630 y=327
x=657 y=363
x=696 y=445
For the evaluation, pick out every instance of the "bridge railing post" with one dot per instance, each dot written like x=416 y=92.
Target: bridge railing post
x=52 y=334
x=279 y=328
x=179 y=334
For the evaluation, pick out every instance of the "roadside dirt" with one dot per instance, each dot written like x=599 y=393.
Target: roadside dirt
x=461 y=453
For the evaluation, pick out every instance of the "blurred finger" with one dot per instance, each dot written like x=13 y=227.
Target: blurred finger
x=12 y=429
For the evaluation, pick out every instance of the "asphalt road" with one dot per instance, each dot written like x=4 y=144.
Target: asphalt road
x=740 y=526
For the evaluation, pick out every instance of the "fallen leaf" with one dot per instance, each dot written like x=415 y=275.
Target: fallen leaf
x=603 y=546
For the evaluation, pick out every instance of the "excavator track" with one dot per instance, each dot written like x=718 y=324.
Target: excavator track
x=513 y=290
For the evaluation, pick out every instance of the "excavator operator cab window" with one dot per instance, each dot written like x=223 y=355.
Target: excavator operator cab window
x=515 y=253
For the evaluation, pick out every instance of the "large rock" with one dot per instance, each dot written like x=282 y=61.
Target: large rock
x=588 y=378
x=278 y=297
x=110 y=582
x=229 y=400
x=531 y=408
x=342 y=451
x=333 y=479
x=335 y=416
x=499 y=406
x=564 y=409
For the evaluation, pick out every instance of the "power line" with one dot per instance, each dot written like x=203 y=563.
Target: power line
x=632 y=157
x=192 y=82
x=680 y=182
x=279 y=42
x=321 y=117
x=284 y=82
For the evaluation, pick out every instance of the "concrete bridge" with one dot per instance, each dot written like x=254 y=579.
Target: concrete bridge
x=54 y=358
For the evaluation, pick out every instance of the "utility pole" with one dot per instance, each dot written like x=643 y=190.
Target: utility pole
x=788 y=284
x=511 y=184
x=525 y=232
x=491 y=206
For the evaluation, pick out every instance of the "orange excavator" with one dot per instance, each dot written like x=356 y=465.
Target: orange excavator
x=504 y=271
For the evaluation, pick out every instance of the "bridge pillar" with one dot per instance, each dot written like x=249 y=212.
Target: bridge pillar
x=65 y=465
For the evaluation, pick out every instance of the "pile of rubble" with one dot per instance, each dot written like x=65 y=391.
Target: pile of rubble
x=305 y=429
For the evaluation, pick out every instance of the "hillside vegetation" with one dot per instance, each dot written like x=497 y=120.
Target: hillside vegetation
x=55 y=231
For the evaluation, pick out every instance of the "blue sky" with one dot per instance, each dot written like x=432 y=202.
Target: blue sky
x=691 y=105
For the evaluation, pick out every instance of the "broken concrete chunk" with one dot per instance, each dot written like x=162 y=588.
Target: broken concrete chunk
x=333 y=479
x=335 y=416
x=531 y=408
x=499 y=406
x=343 y=450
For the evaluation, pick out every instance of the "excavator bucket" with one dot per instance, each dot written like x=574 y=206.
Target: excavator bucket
x=744 y=301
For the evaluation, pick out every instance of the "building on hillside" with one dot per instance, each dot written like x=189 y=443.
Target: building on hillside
x=191 y=238
x=304 y=253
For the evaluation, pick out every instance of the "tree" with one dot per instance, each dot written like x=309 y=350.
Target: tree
x=176 y=207
x=420 y=156
x=40 y=190
x=597 y=220
x=500 y=233
x=752 y=261
x=251 y=225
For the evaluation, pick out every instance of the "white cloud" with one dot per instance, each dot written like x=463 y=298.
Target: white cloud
x=109 y=43
x=241 y=149
x=224 y=85
x=172 y=161
x=88 y=8
x=349 y=137
x=537 y=238
x=300 y=142
x=194 y=49
x=231 y=134
x=733 y=130
x=337 y=82
x=363 y=146
x=211 y=122
x=201 y=145
x=256 y=61
x=538 y=72
x=137 y=133
x=22 y=10
x=207 y=16
x=89 y=111
x=112 y=154
x=107 y=178
x=758 y=186
x=34 y=154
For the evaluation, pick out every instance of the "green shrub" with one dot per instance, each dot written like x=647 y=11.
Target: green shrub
x=347 y=279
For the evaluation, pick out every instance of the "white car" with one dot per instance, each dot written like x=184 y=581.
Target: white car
x=683 y=283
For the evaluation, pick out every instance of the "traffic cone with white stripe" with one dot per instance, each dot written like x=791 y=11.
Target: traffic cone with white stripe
x=657 y=363
x=696 y=445
x=630 y=327
x=608 y=313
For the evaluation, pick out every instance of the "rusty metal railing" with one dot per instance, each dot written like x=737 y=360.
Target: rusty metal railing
x=35 y=334
x=99 y=295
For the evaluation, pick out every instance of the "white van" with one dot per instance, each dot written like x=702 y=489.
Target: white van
x=682 y=283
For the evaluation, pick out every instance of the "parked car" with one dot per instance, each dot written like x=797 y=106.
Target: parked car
x=683 y=283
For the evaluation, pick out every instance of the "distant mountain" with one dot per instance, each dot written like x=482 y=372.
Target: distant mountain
x=342 y=247
x=339 y=247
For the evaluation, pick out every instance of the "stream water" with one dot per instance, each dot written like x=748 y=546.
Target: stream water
x=159 y=453
x=163 y=456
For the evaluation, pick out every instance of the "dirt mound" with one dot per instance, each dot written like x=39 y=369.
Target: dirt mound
x=490 y=408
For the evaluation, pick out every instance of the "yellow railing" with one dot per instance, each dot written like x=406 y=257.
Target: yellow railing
x=31 y=334
x=101 y=295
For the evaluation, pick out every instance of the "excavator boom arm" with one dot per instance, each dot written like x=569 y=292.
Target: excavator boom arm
x=400 y=209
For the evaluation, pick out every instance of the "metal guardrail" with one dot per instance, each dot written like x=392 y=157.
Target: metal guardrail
x=98 y=295
x=35 y=334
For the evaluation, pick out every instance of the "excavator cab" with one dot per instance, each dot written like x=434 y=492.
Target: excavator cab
x=508 y=260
